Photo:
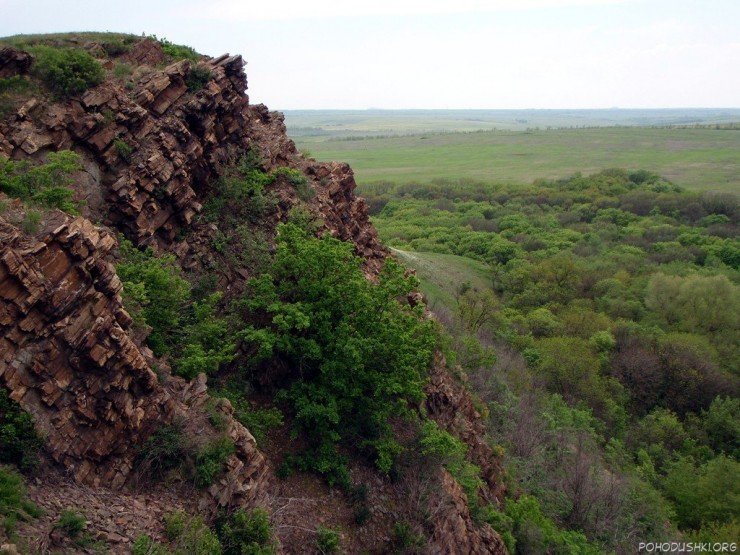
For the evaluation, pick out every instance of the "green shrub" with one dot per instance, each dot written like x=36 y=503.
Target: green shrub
x=31 y=221
x=211 y=459
x=154 y=292
x=246 y=533
x=67 y=72
x=123 y=149
x=449 y=451
x=163 y=451
x=206 y=342
x=535 y=533
x=16 y=83
x=19 y=443
x=44 y=184
x=115 y=48
x=363 y=355
x=197 y=78
x=327 y=540
x=190 y=535
x=239 y=196
x=298 y=180
x=703 y=494
x=144 y=545
x=258 y=421
x=71 y=523
x=178 y=51
x=122 y=70
x=13 y=503
x=405 y=539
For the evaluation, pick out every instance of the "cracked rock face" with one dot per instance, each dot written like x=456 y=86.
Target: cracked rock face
x=178 y=140
x=150 y=155
x=67 y=358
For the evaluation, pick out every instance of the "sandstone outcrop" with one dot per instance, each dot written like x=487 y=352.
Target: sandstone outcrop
x=14 y=62
x=151 y=153
x=450 y=404
x=160 y=146
x=67 y=358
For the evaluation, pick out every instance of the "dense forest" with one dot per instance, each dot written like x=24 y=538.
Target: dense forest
x=605 y=351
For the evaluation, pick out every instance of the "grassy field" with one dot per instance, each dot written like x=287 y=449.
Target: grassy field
x=344 y=123
x=704 y=159
x=441 y=274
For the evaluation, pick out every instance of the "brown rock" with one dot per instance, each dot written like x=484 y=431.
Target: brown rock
x=14 y=62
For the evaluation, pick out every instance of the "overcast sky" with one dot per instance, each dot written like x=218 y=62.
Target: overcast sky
x=440 y=53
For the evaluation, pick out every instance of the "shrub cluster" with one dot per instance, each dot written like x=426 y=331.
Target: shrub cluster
x=46 y=184
x=362 y=355
x=19 y=443
x=66 y=71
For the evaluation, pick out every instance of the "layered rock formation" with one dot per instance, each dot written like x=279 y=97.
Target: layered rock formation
x=67 y=358
x=158 y=147
x=150 y=155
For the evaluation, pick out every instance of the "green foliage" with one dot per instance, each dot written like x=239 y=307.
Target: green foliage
x=362 y=355
x=327 y=540
x=178 y=51
x=165 y=450
x=533 y=532
x=123 y=149
x=703 y=494
x=13 y=503
x=71 y=523
x=122 y=70
x=31 y=221
x=258 y=421
x=154 y=292
x=190 y=535
x=297 y=179
x=44 y=184
x=197 y=78
x=159 y=297
x=145 y=545
x=449 y=451
x=13 y=90
x=67 y=72
x=695 y=303
x=239 y=196
x=19 y=443
x=206 y=340
x=211 y=460
x=115 y=48
x=721 y=425
x=405 y=539
x=246 y=533
x=611 y=304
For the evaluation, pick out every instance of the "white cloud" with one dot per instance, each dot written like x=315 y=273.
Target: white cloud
x=314 y=9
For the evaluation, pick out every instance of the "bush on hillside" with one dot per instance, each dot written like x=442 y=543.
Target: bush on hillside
x=67 y=72
x=46 y=184
x=19 y=443
x=362 y=355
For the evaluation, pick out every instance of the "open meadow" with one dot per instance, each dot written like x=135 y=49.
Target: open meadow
x=695 y=158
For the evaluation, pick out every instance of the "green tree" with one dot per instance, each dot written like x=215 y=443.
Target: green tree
x=360 y=354
x=709 y=493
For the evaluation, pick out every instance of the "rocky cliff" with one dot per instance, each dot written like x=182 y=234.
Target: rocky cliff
x=67 y=352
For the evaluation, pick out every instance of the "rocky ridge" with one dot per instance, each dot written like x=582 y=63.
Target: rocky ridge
x=67 y=354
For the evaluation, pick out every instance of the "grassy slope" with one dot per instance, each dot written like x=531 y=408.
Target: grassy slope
x=705 y=159
x=442 y=274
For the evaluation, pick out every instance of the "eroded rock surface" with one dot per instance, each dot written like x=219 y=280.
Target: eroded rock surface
x=67 y=358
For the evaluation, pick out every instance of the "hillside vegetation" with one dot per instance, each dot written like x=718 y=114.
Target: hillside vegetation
x=605 y=342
